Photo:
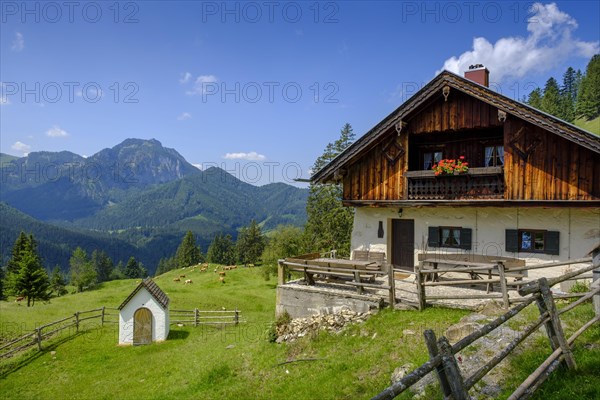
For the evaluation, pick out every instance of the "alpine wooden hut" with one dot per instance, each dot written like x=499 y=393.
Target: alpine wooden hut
x=531 y=191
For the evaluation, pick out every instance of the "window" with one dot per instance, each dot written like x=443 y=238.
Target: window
x=430 y=158
x=533 y=241
x=451 y=237
x=494 y=156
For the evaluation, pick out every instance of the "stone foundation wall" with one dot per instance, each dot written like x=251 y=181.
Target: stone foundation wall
x=304 y=301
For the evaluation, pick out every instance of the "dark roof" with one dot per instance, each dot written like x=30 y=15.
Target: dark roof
x=486 y=95
x=153 y=289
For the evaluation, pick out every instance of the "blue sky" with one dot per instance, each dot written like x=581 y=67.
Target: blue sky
x=258 y=87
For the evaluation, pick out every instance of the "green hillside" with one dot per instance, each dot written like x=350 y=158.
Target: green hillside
x=591 y=125
x=5 y=158
x=204 y=362
x=238 y=362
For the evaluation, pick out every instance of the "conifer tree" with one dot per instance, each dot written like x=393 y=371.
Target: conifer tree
x=588 y=96
x=82 y=271
x=188 y=253
x=250 y=243
x=222 y=250
x=58 y=282
x=329 y=223
x=26 y=275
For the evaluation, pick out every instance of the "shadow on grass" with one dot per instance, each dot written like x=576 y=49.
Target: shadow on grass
x=21 y=360
x=178 y=335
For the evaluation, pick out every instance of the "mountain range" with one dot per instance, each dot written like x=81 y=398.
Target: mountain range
x=139 y=197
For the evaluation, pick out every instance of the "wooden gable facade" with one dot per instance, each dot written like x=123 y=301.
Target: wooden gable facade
x=544 y=159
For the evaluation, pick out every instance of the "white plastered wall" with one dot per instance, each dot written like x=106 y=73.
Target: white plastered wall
x=579 y=229
x=160 y=317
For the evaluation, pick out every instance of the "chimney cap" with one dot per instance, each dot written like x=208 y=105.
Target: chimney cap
x=476 y=66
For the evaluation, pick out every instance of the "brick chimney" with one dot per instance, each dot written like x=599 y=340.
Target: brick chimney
x=478 y=74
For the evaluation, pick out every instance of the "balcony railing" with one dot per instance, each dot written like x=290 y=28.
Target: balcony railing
x=477 y=183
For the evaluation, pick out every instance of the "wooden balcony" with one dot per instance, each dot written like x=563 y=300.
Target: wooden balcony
x=477 y=183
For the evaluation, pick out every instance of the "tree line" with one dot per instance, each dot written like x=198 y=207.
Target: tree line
x=578 y=97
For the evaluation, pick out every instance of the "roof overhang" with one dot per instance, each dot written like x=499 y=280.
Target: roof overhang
x=433 y=89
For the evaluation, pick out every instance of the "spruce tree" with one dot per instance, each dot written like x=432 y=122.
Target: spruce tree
x=188 y=253
x=221 y=250
x=568 y=93
x=551 y=99
x=250 y=243
x=535 y=98
x=329 y=223
x=588 y=97
x=102 y=264
x=83 y=273
x=26 y=275
x=57 y=282
x=133 y=269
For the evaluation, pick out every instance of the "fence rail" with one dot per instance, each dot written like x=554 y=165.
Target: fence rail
x=351 y=276
x=442 y=355
x=423 y=276
x=47 y=331
x=206 y=317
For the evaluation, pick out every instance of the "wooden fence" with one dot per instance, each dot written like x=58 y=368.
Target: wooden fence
x=200 y=317
x=47 y=331
x=423 y=279
x=348 y=273
x=442 y=354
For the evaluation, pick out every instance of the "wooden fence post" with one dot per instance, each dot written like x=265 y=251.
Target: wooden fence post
x=455 y=379
x=432 y=347
x=392 y=285
x=103 y=307
x=503 y=285
x=236 y=317
x=38 y=337
x=596 y=278
x=77 y=322
x=195 y=316
x=420 y=288
x=554 y=326
x=281 y=272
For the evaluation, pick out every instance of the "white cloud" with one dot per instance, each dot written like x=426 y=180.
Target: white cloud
x=185 y=77
x=18 y=43
x=199 y=166
x=21 y=147
x=56 y=131
x=548 y=44
x=252 y=156
x=184 y=116
x=200 y=84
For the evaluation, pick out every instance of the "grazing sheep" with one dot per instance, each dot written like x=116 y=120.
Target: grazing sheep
x=19 y=299
x=221 y=279
x=176 y=280
x=203 y=269
x=187 y=281
x=205 y=265
x=216 y=269
x=182 y=276
x=222 y=273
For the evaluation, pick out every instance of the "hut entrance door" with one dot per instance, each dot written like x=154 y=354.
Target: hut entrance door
x=142 y=327
x=403 y=243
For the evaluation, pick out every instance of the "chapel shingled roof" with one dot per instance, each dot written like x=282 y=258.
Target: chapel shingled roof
x=154 y=291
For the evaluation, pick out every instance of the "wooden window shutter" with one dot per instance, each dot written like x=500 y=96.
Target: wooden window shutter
x=512 y=240
x=434 y=237
x=466 y=237
x=552 y=244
